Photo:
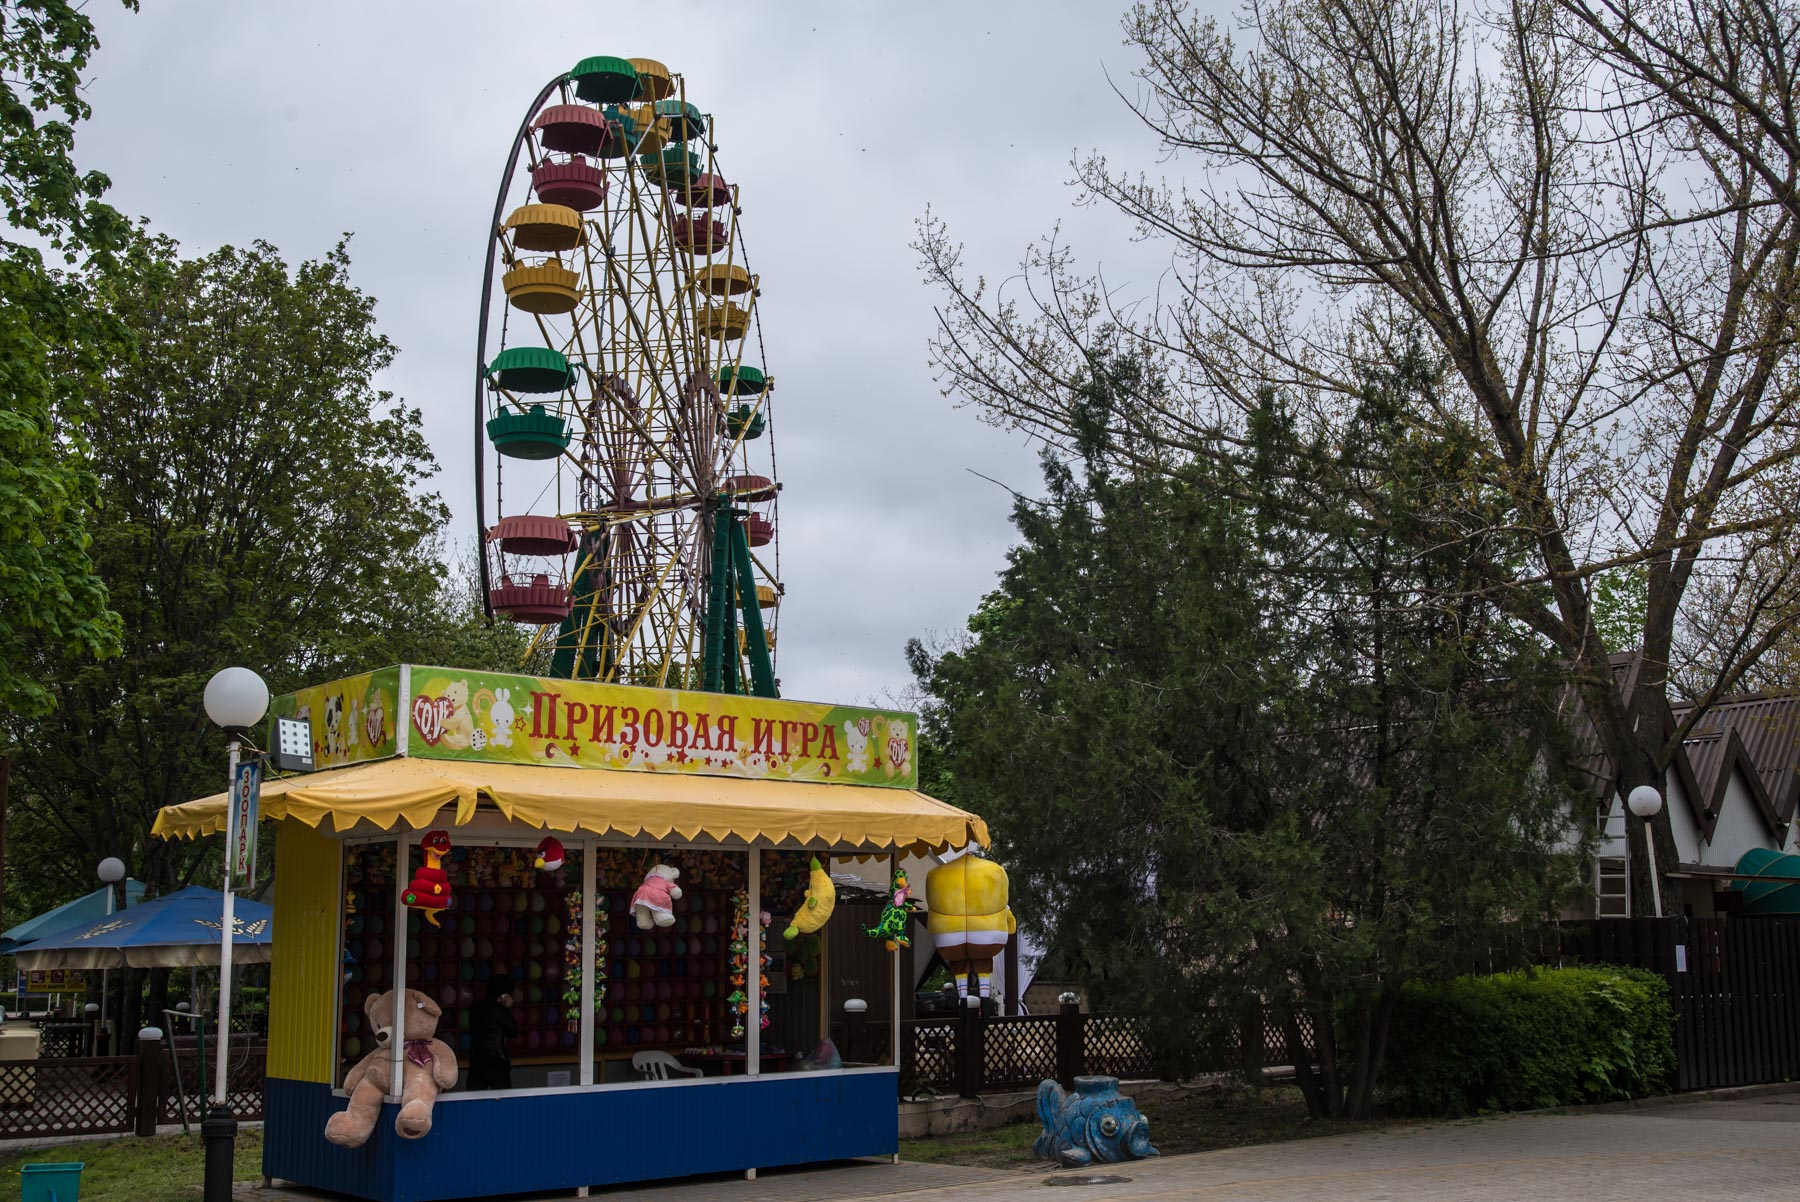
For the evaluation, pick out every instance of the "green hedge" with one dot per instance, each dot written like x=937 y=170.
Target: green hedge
x=1525 y=1040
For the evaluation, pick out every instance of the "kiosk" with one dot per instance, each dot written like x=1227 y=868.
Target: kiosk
x=557 y=798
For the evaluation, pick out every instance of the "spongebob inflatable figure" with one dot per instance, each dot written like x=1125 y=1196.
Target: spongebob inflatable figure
x=969 y=918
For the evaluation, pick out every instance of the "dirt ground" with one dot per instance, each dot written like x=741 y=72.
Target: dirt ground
x=1193 y=1120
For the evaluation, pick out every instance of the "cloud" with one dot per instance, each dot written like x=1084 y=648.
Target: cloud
x=223 y=123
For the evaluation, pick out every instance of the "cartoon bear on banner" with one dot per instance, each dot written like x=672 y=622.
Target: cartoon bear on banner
x=969 y=917
x=428 y=1066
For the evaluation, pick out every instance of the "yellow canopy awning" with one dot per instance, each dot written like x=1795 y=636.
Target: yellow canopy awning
x=605 y=803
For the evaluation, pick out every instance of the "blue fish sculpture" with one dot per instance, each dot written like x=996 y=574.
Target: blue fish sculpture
x=1094 y=1125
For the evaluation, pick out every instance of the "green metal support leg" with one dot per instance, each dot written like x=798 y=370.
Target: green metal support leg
x=762 y=668
x=716 y=651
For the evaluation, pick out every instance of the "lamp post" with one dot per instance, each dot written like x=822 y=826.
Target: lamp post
x=1646 y=802
x=236 y=699
x=111 y=871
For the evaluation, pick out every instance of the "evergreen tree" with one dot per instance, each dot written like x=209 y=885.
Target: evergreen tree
x=1248 y=746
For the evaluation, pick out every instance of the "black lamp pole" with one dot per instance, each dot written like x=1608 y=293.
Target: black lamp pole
x=218 y=1130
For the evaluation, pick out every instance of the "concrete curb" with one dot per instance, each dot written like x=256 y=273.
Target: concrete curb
x=1732 y=1093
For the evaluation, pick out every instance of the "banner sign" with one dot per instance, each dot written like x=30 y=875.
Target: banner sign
x=352 y=720
x=240 y=824
x=54 y=980
x=508 y=719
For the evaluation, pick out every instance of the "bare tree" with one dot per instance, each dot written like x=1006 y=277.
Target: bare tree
x=1586 y=211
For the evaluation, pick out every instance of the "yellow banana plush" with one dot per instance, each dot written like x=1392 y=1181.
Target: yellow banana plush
x=821 y=900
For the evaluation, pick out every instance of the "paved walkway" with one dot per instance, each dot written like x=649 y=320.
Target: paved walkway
x=1716 y=1150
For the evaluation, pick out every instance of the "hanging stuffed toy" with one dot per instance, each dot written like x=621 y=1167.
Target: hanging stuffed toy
x=821 y=899
x=804 y=957
x=654 y=901
x=549 y=854
x=895 y=916
x=969 y=918
x=430 y=887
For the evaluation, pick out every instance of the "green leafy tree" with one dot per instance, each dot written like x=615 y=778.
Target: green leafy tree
x=261 y=502
x=51 y=344
x=1253 y=756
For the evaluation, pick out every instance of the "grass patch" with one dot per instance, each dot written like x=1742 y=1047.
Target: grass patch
x=1187 y=1121
x=163 y=1168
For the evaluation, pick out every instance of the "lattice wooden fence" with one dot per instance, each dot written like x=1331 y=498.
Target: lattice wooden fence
x=928 y=1063
x=68 y=1095
x=1114 y=1047
x=1018 y=1052
x=105 y=1095
x=971 y=1054
x=60 y=1040
x=243 y=1077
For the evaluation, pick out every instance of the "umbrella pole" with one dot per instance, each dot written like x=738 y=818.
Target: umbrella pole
x=104 y=982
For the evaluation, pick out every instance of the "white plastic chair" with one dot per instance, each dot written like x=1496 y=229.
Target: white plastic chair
x=657 y=1066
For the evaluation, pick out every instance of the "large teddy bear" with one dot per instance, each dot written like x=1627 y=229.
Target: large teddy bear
x=429 y=1066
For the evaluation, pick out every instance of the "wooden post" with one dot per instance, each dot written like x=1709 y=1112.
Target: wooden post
x=149 y=1085
x=1015 y=983
x=589 y=968
x=1071 y=1040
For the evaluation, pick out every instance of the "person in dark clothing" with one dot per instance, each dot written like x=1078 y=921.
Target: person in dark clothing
x=490 y=1027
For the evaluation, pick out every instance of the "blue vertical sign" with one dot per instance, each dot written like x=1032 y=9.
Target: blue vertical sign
x=242 y=811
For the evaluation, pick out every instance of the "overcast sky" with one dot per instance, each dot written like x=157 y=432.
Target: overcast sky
x=841 y=122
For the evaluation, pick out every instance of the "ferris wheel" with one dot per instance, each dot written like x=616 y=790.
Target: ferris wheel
x=626 y=396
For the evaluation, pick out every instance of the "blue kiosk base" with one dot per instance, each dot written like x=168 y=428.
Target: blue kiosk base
x=526 y=1141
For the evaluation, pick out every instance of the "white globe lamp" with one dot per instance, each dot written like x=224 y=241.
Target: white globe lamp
x=1645 y=801
x=111 y=870
x=236 y=698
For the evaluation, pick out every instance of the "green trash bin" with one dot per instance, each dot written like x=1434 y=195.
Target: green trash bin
x=51 y=1182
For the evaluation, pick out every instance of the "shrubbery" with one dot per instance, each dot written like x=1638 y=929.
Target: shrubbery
x=1523 y=1040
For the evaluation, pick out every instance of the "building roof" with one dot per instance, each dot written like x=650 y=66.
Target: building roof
x=1758 y=734
x=1767 y=728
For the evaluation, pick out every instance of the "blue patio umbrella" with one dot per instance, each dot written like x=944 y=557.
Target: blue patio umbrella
x=179 y=930
x=77 y=913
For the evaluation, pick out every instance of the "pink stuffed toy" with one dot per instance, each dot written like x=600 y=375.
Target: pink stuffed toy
x=654 y=901
x=429 y=1065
